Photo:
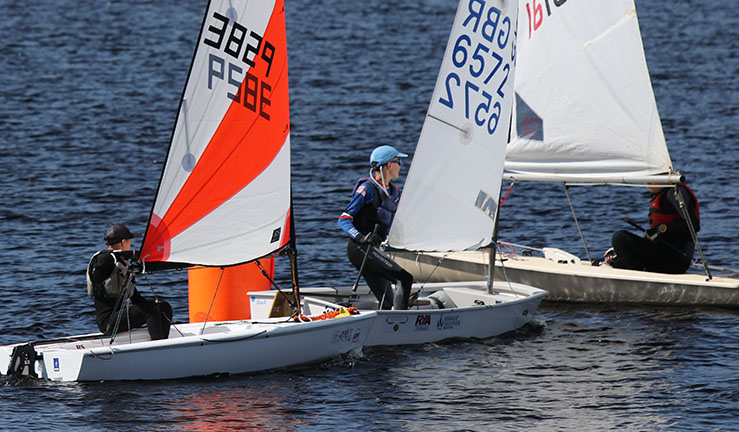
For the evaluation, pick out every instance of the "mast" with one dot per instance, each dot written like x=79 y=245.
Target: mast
x=493 y=250
x=494 y=239
x=293 y=254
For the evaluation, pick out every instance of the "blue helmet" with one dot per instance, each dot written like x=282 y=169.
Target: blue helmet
x=384 y=154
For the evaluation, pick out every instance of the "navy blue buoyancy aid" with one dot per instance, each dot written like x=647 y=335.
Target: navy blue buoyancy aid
x=380 y=211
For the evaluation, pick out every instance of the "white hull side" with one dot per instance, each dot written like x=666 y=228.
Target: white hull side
x=227 y=347
x=509 y=307
x=580 y=282
x=418 y=326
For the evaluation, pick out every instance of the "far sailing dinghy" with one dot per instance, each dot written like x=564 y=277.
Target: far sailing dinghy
x=450 y=197
x=585 y=114
x=223 y=199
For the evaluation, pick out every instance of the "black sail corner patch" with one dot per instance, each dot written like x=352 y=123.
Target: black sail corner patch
x=276 y=235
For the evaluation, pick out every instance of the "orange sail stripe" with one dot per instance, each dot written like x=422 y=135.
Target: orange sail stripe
x=242 y=147
x=286 y=234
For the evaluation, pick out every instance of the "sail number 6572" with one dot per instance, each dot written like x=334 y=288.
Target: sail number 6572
x=483 y=108
x=480 y=70
x=477 y=63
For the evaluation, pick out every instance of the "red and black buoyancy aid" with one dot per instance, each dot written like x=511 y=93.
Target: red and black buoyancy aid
x=381 y=211
x=660 y=214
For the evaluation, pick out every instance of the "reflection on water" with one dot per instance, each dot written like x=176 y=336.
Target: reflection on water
x=215 y=409
x=583 y=368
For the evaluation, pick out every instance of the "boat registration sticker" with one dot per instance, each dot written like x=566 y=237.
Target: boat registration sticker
x=346 y=336
x=56 y=364
x=446 y=322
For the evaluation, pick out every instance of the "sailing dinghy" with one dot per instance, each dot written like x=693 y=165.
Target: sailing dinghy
x=223 y=200
x=450 y=196
x=585 y=114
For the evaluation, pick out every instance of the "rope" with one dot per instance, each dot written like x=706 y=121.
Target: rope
x=516 y=245
x=438 y=264
x=341 y=312
x=156 y=298
x=574 y=216
x=213 y=300
x=505 y=275
x=124 y=295
x=290 y=302
x=420 y=280
x=718 y=269
x=689 y=223
x=128 y=320
x=508 y=193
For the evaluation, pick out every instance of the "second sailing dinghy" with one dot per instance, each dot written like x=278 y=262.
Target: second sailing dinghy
x=223 y=199
x=451 y=194
x=585 y=114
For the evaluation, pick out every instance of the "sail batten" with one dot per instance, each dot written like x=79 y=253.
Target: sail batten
x=223 y=197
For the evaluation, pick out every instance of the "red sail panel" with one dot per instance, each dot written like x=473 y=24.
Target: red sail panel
x=252 y=132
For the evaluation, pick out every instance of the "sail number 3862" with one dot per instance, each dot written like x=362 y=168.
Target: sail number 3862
x=243 y=48
x=484 y=68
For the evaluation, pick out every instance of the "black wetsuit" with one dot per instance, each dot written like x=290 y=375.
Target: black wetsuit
x=107 y=276
x=671 y=251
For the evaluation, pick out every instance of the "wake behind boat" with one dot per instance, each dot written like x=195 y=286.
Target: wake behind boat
x=585 y=115
x=223 y=199
x=450 y=197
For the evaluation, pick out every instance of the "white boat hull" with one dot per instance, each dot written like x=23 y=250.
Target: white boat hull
x=568 y=280
x=196 y=350
x=474 y=313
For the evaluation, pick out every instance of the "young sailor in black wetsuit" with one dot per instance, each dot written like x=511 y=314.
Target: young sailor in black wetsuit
x=667 y=246
x=374 y=202
x=110 y=280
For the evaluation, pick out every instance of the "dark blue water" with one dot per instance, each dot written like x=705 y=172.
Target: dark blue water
x=89 y=94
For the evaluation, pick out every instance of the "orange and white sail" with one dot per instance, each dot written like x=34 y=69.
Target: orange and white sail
x=224 y=195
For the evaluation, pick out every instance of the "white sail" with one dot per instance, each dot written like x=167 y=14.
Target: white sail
x=224 y=195
x=585 y=109
x=451 y=193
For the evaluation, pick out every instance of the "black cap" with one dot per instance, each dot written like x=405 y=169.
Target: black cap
x=118 y=232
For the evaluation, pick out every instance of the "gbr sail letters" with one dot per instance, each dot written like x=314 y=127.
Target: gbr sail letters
x=481 y=63
x=450 y=197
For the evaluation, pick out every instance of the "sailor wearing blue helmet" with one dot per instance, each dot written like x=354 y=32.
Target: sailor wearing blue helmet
x=367 y=220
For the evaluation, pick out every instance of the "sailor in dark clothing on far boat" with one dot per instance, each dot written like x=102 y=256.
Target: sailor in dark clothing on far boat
x=110 y=281
x=667 y=246
x=367 y=220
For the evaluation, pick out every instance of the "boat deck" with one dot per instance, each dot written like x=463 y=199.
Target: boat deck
x=571 y=280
